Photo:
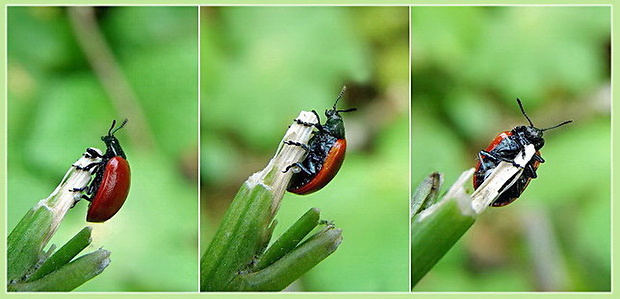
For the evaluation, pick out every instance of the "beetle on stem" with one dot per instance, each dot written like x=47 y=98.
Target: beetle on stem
x=325 y=152
x=505 y=147
x=109 y=188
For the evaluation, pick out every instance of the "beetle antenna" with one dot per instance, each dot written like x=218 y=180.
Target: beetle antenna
x=346 y=110
x=111 y=127
x=344 y=88
x=563 y=123
x=111 y=132
x=524 y=114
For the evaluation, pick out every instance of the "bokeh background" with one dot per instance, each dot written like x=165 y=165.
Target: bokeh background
x=58 y=106
x=261 y=66
x=469 y=64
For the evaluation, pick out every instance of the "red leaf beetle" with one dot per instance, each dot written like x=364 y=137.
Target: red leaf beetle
x=505 y=147
x=109 y=188
x=325 y=152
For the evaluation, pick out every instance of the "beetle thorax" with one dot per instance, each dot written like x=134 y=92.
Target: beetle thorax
x=334 y=124
x=531 y=135
x=113 y=147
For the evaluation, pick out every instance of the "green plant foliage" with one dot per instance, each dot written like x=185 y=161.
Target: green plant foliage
x=469 y=64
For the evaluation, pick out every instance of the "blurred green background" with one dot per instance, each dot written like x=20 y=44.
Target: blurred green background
x=261 y=66
x=57 y=107
x=469 y=64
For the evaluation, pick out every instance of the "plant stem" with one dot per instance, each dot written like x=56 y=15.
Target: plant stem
x=27 y=240
x=246 y=228
x=29 y=268
x=437 y=228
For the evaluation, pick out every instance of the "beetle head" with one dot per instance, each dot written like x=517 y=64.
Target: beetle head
x=531 y=133
x=334 y=124
x=113 y=146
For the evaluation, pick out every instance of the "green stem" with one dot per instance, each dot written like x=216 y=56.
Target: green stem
x=26 y=241
x=435 y=229
x=236 y=255
x=27 y=263
x=242 y=234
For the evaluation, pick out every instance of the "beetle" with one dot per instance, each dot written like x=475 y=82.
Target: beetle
x=505 y=147
x=109 y=188
x=325 y=152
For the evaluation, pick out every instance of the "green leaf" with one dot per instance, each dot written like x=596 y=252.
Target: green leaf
x=283 y=272
x=70 y=276
x=426 y=193
x=65 y=254
x=290 y=238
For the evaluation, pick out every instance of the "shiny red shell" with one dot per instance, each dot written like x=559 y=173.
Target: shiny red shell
x=328 y=171
x=112 y=191
x=501 y=136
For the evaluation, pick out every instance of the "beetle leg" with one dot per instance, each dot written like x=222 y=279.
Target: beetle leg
x=79 y=196
x=304 y=146
x=538 y=158
x=94 y=166
x=301 y=122
x=318 y=125
x=87 y=167
x=78 y=167
x=307 y=124
x=529 y=171
x=298 y=165
x=76 y=197
x=291 y=166
x=78 y=189
x=496 y=158
x=318 y=118
x=88 y=191
x=491 y=156
x=92 y=153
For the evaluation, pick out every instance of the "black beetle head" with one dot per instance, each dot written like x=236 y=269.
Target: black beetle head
x=531 y=133
x=113 y=147
x=334 y=124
